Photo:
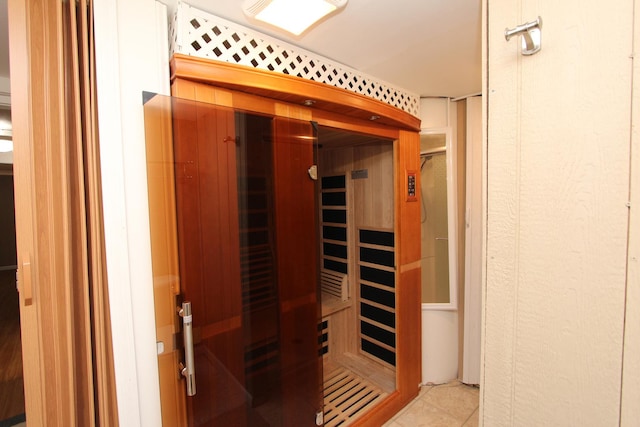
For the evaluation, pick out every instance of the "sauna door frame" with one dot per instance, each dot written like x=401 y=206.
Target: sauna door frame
x=278 y=95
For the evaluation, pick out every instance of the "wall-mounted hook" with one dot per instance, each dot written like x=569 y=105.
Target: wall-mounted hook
x=531 y=36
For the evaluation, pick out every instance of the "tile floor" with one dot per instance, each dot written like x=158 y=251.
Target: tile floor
x=446 y=405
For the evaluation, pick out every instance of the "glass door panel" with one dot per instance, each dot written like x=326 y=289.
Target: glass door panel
x=438 y=218
x=435 y=236
x=246 y=230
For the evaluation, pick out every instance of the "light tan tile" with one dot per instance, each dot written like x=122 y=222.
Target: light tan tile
x=457 y=400
x=473 y=420
x=472 y=390
x=421 y=414
x=423 y=390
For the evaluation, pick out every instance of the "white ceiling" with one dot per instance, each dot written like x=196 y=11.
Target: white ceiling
x=428 y=47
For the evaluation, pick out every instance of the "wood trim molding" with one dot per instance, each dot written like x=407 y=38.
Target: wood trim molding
x=289 y=89
x=226 y=97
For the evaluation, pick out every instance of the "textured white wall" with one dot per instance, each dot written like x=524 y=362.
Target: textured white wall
x=631 y=371
x=131 y=49
x=557 y=220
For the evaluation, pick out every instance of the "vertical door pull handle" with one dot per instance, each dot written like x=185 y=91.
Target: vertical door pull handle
x=188 y=369
x=531 y=36
x=24 y=281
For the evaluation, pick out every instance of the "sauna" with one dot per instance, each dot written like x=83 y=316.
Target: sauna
x=357 y=278
x=285 y=234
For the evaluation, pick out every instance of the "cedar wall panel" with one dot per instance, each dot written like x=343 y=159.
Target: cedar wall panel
x=207 y=213
x=408 y=247
x=373 y=207
x=408 y=220
x=372 y=197
x=296 y=222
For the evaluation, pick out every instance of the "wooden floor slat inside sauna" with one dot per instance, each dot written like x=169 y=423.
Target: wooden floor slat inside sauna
x=347 y=396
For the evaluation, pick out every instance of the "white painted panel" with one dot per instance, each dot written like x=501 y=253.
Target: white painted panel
x=473 y=244
x=453 y=122
x=434 y=113
x=131 y=57
x=439 y=345
x=558 y=171
x=630 y=407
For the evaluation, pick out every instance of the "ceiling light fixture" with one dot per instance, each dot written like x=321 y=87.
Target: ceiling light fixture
x=294 y=16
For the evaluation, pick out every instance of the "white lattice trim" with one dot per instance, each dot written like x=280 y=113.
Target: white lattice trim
x=198 y=33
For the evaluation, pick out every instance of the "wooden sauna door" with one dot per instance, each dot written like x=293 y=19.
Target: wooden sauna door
x=246 y=230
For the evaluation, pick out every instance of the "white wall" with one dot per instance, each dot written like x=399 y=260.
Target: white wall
x=558 y=150
x=131 y=50
x=434 y=113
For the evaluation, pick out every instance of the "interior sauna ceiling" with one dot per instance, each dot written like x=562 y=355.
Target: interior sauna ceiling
x=334 y=138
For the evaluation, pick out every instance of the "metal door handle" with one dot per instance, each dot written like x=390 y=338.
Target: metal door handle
x=188 y=370
x=531 y=36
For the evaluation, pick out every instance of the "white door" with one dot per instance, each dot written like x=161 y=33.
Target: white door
x=558 y=176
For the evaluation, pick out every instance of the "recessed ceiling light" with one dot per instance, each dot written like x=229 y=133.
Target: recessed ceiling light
x=294 y=16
